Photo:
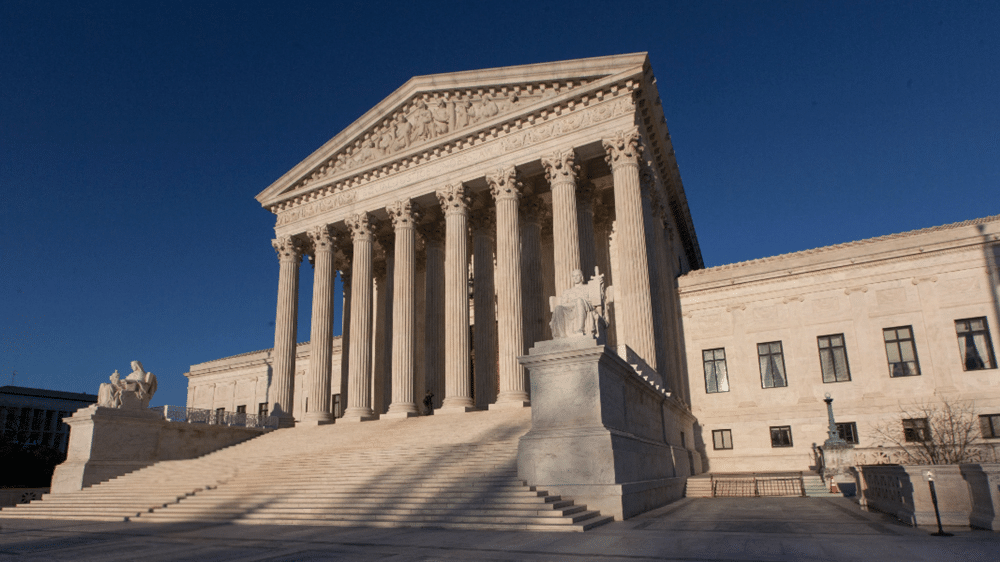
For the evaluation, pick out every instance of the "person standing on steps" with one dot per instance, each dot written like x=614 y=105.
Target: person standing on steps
x=429 y=403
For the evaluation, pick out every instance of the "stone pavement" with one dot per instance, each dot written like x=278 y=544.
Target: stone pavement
x=793 y=529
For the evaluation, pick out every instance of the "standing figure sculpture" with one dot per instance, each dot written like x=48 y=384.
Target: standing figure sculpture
x=580 y=309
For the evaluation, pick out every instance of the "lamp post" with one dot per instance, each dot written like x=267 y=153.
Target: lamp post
x=833 y=436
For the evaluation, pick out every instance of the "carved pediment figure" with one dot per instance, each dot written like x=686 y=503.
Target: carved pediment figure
x=579 y=310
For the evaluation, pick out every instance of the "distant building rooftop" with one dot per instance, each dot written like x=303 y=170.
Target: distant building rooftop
x=42 y=393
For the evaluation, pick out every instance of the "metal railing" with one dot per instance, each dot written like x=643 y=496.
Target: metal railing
x=752 y=485
x=213 y=417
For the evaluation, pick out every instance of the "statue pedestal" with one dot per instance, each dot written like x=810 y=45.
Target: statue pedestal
x=105 y=443
x=109 y=442
x=600 y=434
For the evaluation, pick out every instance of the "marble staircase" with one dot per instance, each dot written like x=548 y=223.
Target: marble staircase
x=450 y=471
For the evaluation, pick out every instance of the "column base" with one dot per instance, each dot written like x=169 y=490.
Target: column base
x=399 y=415
x=353 y=415
x=316 y=418
x=510 y=404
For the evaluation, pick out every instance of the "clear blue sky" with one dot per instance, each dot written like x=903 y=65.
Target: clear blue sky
x=135 y=135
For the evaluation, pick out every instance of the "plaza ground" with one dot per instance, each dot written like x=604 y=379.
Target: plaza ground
x=792 y=529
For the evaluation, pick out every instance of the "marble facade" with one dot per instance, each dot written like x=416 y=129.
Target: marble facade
x=503 y=174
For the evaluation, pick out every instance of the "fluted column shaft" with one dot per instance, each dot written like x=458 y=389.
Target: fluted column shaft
x=664 y=280
x=484 y=294
x=561 y=171
x=634 y=300
x=458 y=391
x=602 y=253
x=513 y=384
x=359 y=371
x=321 y=339
x=285 y=324
x=533 y=298
x=403 y=307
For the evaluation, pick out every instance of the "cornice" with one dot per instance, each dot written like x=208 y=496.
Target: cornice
x=540 y=85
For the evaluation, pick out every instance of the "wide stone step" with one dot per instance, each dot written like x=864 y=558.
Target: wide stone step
x=491 y=526
x=311 y=518
x=286 y=511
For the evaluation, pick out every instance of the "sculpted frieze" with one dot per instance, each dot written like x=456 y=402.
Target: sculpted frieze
x=427 y=117
x=481 y=151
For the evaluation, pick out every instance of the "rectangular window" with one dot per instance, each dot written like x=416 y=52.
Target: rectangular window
x=916 y=430
x=781 y=436
x=722 y=438
x=262 y=409
x=848 y=431
x=901 y=351
x=716 y=377
x=974 y=345
x=990 y=424
x=772 y=365
x=241 y=409
x=833 y=358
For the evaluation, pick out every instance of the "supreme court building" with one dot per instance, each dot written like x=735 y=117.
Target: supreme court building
x=459 y=205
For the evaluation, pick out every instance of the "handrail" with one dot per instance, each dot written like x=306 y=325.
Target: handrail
x=212 y=417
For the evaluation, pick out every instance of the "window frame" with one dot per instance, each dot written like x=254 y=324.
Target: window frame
x=989 y=362
x=241 y=409
x=779 y=430
x=852 y=430
x=780 y=354
x=262 y=409
x=723 y=433
x=830 y=349
x=715 y=361
x=992 y=422
x=912 y=425
x=899 y=351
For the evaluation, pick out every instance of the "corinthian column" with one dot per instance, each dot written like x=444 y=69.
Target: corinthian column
x=403 y=306
x=506 y=191
x=359 y=373
x=532 y=295
x=664 y=279
x=457 y=391
x=647 y=184
x=484 y=295
x=347 y=253
x=585 y=221
x=561 y=171
x=632 y=294
x=283 y=374
x=321 y=340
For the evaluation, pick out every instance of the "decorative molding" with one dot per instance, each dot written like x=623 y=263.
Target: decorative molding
x=857 y=289
x=930 y=279
x=736 y=306
x=560 y=166
x=793 y=298
x=361 y=226
x=403 y=213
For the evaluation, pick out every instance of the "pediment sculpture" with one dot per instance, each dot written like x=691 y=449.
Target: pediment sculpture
x=131 y=393
x=579 y=311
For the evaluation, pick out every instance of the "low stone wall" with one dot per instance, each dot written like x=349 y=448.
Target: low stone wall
x=968 y=494
x=109 y=442
x=14 y=496
x=600 y=434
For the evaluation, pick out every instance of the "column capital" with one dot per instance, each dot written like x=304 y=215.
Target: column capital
x=504 y=183
x=623 y=149
x=361 y=226
x=561 y=166
x=288 y=248
x=403 y=213
x=322 y=238
x=453 y=199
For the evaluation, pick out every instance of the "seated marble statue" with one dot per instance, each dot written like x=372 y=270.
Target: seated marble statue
x=580 y=308
x=131 y=393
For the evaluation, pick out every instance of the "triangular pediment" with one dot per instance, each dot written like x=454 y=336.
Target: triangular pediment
x=436 y=109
